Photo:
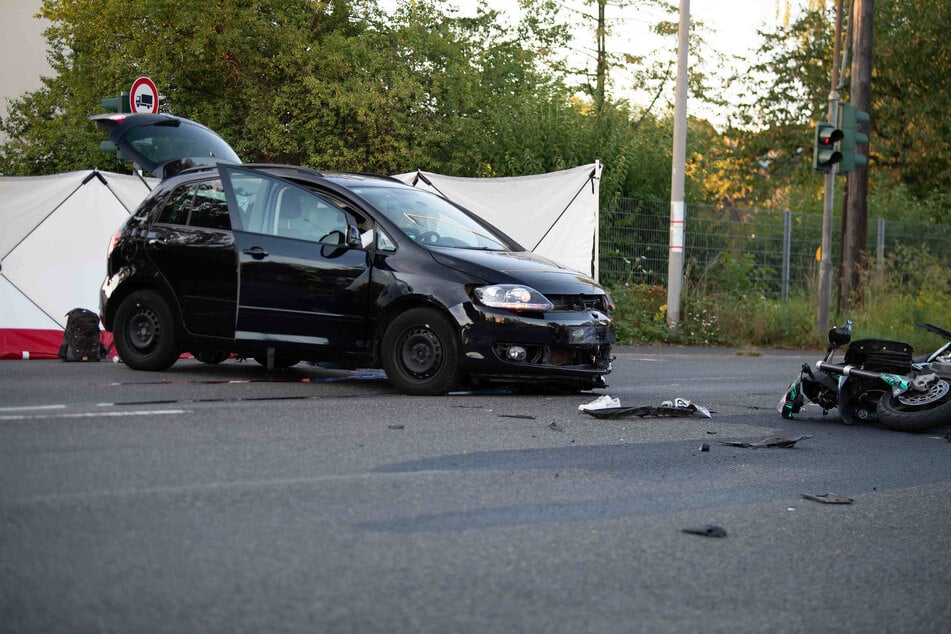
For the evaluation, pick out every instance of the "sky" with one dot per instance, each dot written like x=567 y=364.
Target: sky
x=730 y=26
x=727 y=26
x=735 y=21
x=22 y=49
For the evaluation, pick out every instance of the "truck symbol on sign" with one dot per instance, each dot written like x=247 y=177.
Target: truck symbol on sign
x=143 y=101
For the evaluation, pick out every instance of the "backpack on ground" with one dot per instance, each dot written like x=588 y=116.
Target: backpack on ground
x=81 y=340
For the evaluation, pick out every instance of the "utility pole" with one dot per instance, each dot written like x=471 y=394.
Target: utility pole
x=675 y=257
x=825 y=249
x=602 y=61
x=855 y=218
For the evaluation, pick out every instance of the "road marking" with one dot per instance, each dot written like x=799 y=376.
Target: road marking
x=27 y=408
x=152 y=412
x=189 y=489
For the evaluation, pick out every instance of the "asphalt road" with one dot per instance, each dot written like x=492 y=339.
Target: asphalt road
x=216 y=499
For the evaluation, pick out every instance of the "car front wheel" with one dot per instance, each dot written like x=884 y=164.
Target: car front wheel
x=421 y=353
x=144 y=332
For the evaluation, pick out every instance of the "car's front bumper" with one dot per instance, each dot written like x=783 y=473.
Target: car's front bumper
x=562 y=346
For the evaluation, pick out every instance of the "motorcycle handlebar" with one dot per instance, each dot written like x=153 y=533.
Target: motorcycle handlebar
x=848 y=370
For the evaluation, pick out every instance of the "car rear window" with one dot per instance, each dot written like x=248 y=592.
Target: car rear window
x=172 y=140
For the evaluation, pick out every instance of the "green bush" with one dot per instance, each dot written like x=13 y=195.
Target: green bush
x=722 y=306
x=641 y=313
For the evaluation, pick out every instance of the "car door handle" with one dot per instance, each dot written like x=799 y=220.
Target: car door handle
x=256 y=252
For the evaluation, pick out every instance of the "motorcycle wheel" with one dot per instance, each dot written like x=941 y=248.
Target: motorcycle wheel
x=914 y=411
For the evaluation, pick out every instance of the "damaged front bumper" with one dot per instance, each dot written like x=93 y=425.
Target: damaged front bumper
x=564 y=347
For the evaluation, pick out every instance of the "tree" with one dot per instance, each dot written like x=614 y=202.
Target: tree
x=213 y=62
x=787 y=90
x=910 y=129
x=334 y=84
x=338 y=85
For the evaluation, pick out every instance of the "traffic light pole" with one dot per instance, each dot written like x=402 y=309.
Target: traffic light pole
x=825 y=248
x=828 y=199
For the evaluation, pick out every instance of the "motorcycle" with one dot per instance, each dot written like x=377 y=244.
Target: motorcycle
x=878 y=380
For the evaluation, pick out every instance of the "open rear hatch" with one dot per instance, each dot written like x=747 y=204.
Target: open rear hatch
x=161 y=144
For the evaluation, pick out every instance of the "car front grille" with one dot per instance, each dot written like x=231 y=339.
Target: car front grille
x=580 y=303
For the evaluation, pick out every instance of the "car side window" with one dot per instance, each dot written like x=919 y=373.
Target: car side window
x=209 y=207
x=275 y=207
x=200 y=204
x=303 y=215
x=176 y=209
x=370 y=233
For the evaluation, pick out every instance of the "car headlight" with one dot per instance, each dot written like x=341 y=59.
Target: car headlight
x=512 y=297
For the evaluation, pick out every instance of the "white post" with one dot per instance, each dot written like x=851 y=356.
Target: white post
x=597 y=220
x=675 y=261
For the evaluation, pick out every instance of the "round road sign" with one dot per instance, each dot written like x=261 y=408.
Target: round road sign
x=143 y=98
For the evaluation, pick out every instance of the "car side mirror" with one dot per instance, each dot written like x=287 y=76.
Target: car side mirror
x=353 y=237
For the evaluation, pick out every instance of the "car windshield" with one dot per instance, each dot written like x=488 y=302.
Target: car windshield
x=431 y=219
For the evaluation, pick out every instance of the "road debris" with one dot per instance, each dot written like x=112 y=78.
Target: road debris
x=682 y=403
x=493 y=391
x=667 y=409
x=555 y=427
x=706 y=530
x=602 y=402
x=827 y=498
x=772 y=441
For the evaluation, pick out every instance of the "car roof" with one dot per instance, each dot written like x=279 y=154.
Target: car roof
x=348 y=178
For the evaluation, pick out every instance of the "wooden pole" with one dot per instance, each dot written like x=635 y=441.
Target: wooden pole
x=855 y=229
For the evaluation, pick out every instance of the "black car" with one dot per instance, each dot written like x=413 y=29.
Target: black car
x=283 y=264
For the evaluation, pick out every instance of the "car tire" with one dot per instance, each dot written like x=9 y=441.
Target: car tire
x=144 y=332
x=421 y=353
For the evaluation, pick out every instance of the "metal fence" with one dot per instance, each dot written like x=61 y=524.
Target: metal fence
x=777 y=248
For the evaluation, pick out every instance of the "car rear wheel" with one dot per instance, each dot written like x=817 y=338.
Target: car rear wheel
x=144 y=332
x=421 y=353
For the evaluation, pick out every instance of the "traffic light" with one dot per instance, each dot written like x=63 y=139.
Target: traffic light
x=824 y=154
x=851 y=137
x=118 y=104
x=110 y=148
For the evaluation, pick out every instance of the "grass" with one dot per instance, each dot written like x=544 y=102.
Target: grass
x=728 y=310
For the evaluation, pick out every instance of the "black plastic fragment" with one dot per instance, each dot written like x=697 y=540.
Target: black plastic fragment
x=661 y=411
x=827 y=498
x=706 y=530
x=772 y=441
